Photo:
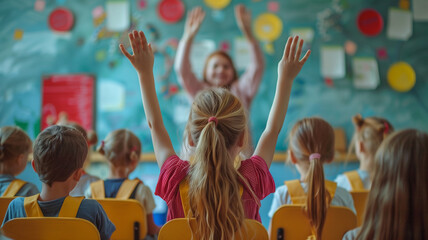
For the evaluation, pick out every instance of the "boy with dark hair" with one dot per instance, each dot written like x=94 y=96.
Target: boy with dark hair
x=58 y=156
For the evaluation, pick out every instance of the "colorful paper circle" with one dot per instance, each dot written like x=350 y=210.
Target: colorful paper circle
x=217 y=4
x=171 y=11
x=370 y=22
x=268 y=27
x=61 y=20
x=401 y=77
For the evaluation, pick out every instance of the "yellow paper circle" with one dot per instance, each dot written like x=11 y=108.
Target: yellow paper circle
x=268 y=27
x=401 y=77
x=217 y=4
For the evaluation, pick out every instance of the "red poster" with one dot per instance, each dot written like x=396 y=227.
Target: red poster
x=72 y=94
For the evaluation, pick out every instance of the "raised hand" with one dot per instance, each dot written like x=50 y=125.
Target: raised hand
x=142 y=58
x=193 y=21
x=243 y=19
x=290 y=64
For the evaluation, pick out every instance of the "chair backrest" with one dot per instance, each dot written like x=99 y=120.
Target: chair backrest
x=129 y=217
x=4 y=203
x=360 y=201
x=291 y=220
x=48 y=228
x=179 y=228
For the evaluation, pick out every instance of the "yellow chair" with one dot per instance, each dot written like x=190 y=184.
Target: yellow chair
x=4 y=203
x=129 y=217
x=291 y=220
x=360 y=201
x=47 y=228
x=179 y=229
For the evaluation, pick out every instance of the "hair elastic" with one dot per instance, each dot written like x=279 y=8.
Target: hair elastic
x=314 y=156
x=102 y=144
x=134 y=149
x=386 y=129
x=213 y=119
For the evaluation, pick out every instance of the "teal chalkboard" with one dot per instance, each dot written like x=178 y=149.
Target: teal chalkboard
x=89 y=49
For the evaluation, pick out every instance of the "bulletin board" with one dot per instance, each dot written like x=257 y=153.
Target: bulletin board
x=71 y=94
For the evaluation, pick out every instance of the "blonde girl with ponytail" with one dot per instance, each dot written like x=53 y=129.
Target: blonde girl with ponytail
x=311 y=144
x=122 y=149
x=369 y=134
x=208 y=187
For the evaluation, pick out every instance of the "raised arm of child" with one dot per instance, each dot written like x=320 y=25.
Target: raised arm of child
x=143 y=60
x=288 y=68
x=182 y=64
x=250 y=80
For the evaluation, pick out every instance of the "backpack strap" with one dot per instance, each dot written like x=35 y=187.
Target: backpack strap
x=331 y=189
x=31 y=206
x=355 y=180
x=296 y=191
x=298 y=195
x=70 y=206
x=184 y=195
x=97 y=189
x=127 y=188
x=13 y=188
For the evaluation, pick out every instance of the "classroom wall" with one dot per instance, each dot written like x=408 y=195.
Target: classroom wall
x=89 y=48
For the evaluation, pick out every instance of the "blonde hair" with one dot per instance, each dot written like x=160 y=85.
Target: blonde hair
x=308 y=136
x=214 y=195
x=370 y=131
x=13 y=142
x=396 y=208
x=119 y=147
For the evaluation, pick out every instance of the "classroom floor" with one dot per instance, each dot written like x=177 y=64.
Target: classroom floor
x=149 y=172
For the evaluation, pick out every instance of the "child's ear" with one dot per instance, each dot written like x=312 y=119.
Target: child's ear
x=190 y=141
x=77 y=174
x=361 y=145
x=32 y=164
x=292 y=157
x=241 y=139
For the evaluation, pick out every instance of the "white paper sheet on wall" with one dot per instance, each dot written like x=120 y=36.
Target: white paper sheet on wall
x=400 y=24
x=366 y=73
x=242 y=53
x=118 y=15
x=332 y=61
x=111 y=96
x=307 y=34
x=199 y=52
x=420 y=10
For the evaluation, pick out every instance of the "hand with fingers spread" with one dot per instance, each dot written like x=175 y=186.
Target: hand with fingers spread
x=193 y=21
x=290 y=64
x=142 y=58
x=243 y=19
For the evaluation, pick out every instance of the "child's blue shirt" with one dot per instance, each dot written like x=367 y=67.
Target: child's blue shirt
x=28 y=189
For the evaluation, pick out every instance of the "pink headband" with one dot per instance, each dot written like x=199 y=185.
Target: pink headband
x=314 y=156
x=213 y=119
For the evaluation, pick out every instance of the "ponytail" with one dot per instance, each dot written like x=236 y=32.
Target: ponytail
x=216 y=121
x=214 y=188
x=312 y=139
x=317 y=202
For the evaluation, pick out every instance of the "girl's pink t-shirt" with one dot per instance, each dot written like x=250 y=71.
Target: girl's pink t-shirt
x=254 y=170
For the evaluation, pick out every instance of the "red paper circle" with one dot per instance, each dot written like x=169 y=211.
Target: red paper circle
x=171 y=11
x=61 y=20
x=370 y=22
